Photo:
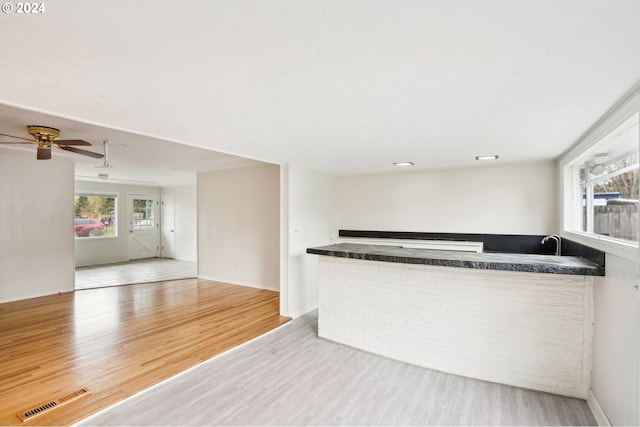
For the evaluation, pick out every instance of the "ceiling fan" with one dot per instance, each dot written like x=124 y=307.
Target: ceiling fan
x=46 y=137
x=106 y=164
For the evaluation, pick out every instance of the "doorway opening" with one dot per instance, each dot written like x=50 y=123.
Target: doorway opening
x=134 y=234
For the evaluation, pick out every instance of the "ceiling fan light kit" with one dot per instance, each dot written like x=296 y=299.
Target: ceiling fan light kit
x=45 y=137
x=44 y=152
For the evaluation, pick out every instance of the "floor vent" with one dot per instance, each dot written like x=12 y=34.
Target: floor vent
x=30 y=414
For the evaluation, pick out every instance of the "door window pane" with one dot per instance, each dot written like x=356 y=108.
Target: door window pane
x=143 y=216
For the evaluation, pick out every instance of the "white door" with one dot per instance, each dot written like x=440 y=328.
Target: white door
x=167 y=227
x=143 y=226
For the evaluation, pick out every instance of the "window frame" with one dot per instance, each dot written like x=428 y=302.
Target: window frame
x=588 y=145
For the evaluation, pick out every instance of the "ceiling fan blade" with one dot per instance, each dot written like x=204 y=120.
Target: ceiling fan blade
x=44 y=153
x=18 y=137
x=72 y=142
x=81 y=151
x=17 y=142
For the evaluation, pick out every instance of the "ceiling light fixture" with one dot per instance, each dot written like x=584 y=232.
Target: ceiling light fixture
x=403 y=163
x=493 y=157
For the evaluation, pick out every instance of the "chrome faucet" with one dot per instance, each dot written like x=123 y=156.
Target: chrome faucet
x=557 y=239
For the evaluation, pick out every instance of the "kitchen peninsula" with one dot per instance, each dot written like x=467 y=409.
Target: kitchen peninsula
x=517 y=319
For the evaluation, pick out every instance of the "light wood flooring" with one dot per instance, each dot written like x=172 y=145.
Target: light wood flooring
x=290 y=377
x=118 y=341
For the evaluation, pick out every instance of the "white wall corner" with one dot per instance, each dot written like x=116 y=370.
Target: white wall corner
x=284 y=241
x=587 y=358
x=596 y=410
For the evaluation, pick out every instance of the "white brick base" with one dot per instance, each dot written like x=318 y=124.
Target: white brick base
x=529 y=330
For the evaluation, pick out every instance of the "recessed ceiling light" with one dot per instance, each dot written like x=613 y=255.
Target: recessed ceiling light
x=493 y=157
x=403 y=163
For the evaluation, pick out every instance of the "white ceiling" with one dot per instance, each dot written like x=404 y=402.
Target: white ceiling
x=345 y=87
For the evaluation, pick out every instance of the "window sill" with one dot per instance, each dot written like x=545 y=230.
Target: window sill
x=628 y=251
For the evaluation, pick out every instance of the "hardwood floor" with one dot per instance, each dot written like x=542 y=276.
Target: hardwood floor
x=117 y=341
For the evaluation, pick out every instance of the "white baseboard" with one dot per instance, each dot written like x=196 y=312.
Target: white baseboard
x=304 y=310
x=596 y=410
x=235 y=282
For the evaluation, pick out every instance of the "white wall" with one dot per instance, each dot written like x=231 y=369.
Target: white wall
x=616 y=343
x=239 y=226
x=106 y=250
x=488 y=199
x=515 y=199
x=186 y=221
x=615 y=384
x=36 y=226
x=312 y=221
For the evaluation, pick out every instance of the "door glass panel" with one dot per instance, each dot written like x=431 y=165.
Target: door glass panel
x=143 y=216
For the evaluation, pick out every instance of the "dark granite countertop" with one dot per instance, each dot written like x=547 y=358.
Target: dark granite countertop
x=485 y=261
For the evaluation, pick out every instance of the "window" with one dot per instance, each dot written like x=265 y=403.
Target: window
x=602 y=200
x=95 y=216
x=143 y=214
